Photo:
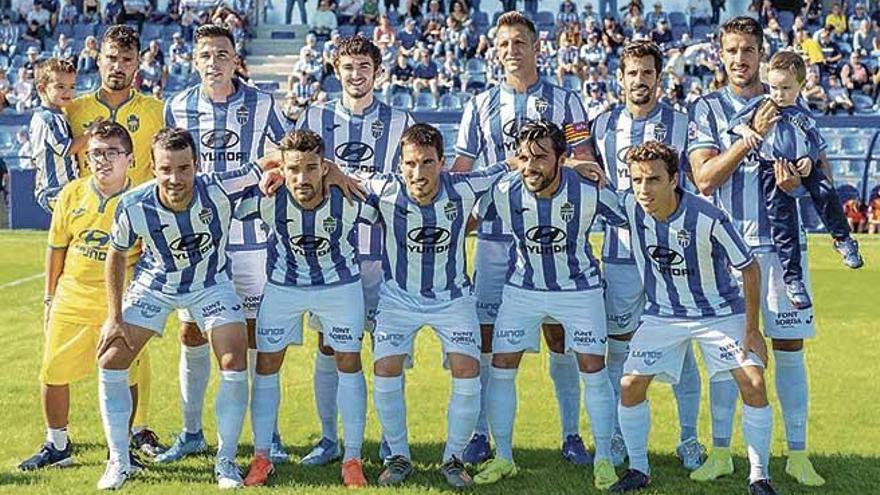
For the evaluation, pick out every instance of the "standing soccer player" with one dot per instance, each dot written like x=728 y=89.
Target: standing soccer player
x=487 y=135
x=729 y=171
x=75 y=297
x=183 y=219
x=362 y=135
x=117 y=101
x=230 y=122
x=614 y=132
x=685 y=249
x=549 y=210
x=312 y=268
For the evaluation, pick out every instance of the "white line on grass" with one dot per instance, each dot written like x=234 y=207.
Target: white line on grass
x=21 y=281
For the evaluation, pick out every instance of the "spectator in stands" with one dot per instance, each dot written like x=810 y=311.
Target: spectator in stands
x=472 y=43
x=458 y=11
x=156 y=49
x=814 y=93
x=324 y=20
x=594 y=101
x=567 y=15
x=832 y=55
x=613 y=36
x=863 y=39
x=188 y=24
x=310 y=63
x=91 y=11
x=288 y=11
x=151 y=73
x=114 y=12
x=836 y=19
x=181 y=57
x=855 y=215
x=8 y=38
x=328 y=52
x=87 y=63
x=702 y=12
x=450 y=73
x=592 y=53
x=425 y=75
x=384 y=36
x=434 y=15
x=33 y=58
x=661 y=34
x=24 y=95
x=400 y=76
x=675 y=64
x=653 y=18
x=64 y=49
x=68 y=13
x=349 y=12
x=567 y=59
x=22 y=138
x=636 y=29
x=774 y=33
x=35 y=35
x=874 y=215
x=838 y=97
x=408 y=37
x=859 y=17
x=694 y=93
x=854 y=75
x=41 y=16
x=137 y=11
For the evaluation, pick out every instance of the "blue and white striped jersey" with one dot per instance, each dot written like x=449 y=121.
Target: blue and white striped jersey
x=551 y=249
x=685 y=262
x=614 y=132
x=741 y=196
x=228 y=136
x=367 y=143
x=424 y=245
x=183 y=251
x=793 y=137
x=51 y=137
x=308 y=247
x=491 y=120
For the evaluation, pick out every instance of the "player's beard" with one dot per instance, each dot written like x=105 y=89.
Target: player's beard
x=118 y=84
x=644 y=100
x=304 y=194
x=544 y=184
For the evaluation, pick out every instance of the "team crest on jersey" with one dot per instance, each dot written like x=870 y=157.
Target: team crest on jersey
x=541 y=105
x=242 y=114
x=659 y=131
x=206 y=215
x=692 y=130
x=684 y=238
x=450 y=210
x=78 y=212
x=329 y=225
x=133 y=123
x=377 y=128
x=567 y=211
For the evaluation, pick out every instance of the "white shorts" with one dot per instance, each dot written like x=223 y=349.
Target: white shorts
x=340 y=307
x=249 y=278
x=581 y=314
x=491 y=262
x=781 y=321
x=400 y=316
x=659 y=346
x=212 y=307
x=372 y=277
x=624 y=297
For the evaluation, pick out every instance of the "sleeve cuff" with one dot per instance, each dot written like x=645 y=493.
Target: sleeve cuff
x=744 y=264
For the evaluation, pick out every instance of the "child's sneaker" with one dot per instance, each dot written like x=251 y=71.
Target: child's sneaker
x=849 y=249
x=797 y=294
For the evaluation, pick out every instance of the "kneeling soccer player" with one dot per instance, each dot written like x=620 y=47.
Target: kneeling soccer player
x=685 y=248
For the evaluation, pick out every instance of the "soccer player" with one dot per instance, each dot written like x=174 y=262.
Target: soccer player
x=640 y=119
x=117 y=101
x=75 y=297
x=725 y=168
x=182 y=217
x=312 y=268
x=362 y=135
x=486 y=136
x=230 y=122
x=549 y=210
x=685 y=249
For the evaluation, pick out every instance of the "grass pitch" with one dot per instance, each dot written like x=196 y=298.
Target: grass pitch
x=844 y=434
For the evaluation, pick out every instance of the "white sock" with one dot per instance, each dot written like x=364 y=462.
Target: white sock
x=57 y=437
x=502 y=410
x=389 y=403
x=461 y=415
x=482 y=426
x=564 y=373
x=757 y=429
x=115 y=399
x=195 y=371
x=230 y=406
x=599 y=399
x=326 y=383
x=617 y=353
x=791 y=387
x=265 y=397
x=251 y=364
x=723 y=396
x=687 y=396
x=352 y=403
x=635 y=424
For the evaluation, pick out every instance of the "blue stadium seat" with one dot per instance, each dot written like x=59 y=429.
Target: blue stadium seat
x=82 y=31
x=450 y=102
x=169 y=30
x=495 y=17
x=572 y=82
x=347 y=30
x=475 y=66
x=701 y=31
x=847 y=192
x=864 y=103
x=151 y=32
x=367 y=31
x=268 y=86
x=874 y=192
x=424 y=101
x=543 y=18
x=332 y=85
x=677 y=18
x=100 y=29
x=852 y=145
x=65 y=29
x=402 y=101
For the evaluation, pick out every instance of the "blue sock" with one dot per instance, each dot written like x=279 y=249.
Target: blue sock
x=687 y=396
x=461 y=415
x=194 y=373
x=564 y=373
x=635 y=424
x=230 y=407
x=390 y=407
x=599 y=398
x=617 y=352
x=722 y=398
x=502 y=410
x=352 y=403
x=265 y=397
x=115 y=401
x=326 y=383
x=791 y=387
x=757 y=429
x=482 y=427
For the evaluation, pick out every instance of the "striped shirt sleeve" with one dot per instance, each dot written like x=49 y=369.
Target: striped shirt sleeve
x=608 y=206
x=700 y=134
x=234 y=183
x=469 y=139
x=122 y=235
x=169 y=113
x=276 y=124
x=248 y=207
x=483 y=180
x=726 y=236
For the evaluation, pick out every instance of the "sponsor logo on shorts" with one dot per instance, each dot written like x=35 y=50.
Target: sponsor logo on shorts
x=213 y=309
x=621 y=320
x=491 y=309
x=791 y=319
x=585 y=337
x=272 y=335
x=341 y=334
x=252 y=303
x=463 y=338
x=147 y=310
x=514 y=337
x=650 y=358
x=729 y=352
x=394 y=339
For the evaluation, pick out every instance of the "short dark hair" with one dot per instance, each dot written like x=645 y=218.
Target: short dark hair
x=654 y=150
x=173 y=139
x=791 y=62
x=302 y=140
x=213 y=31
x=357 y=45
x=423 y=135
x=743 y=25
x=534 y=130
x=107 y=129
x=123 y=35
x=639 y=49
x=514 y=18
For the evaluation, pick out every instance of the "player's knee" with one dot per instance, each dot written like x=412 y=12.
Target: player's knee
x=788 y=345
x=233 y=361
x=506 y=360
x=191 y=336
x=590 y=363
x=752 y=388
x=348 y=362
x=388 y=366
x=633 y=389
x=269 y=363
x=115 y=357
x=554 y=335
x=324 y=349
x=252 y=333
x=486 y=333
x=625 y=337
x=462 y=366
